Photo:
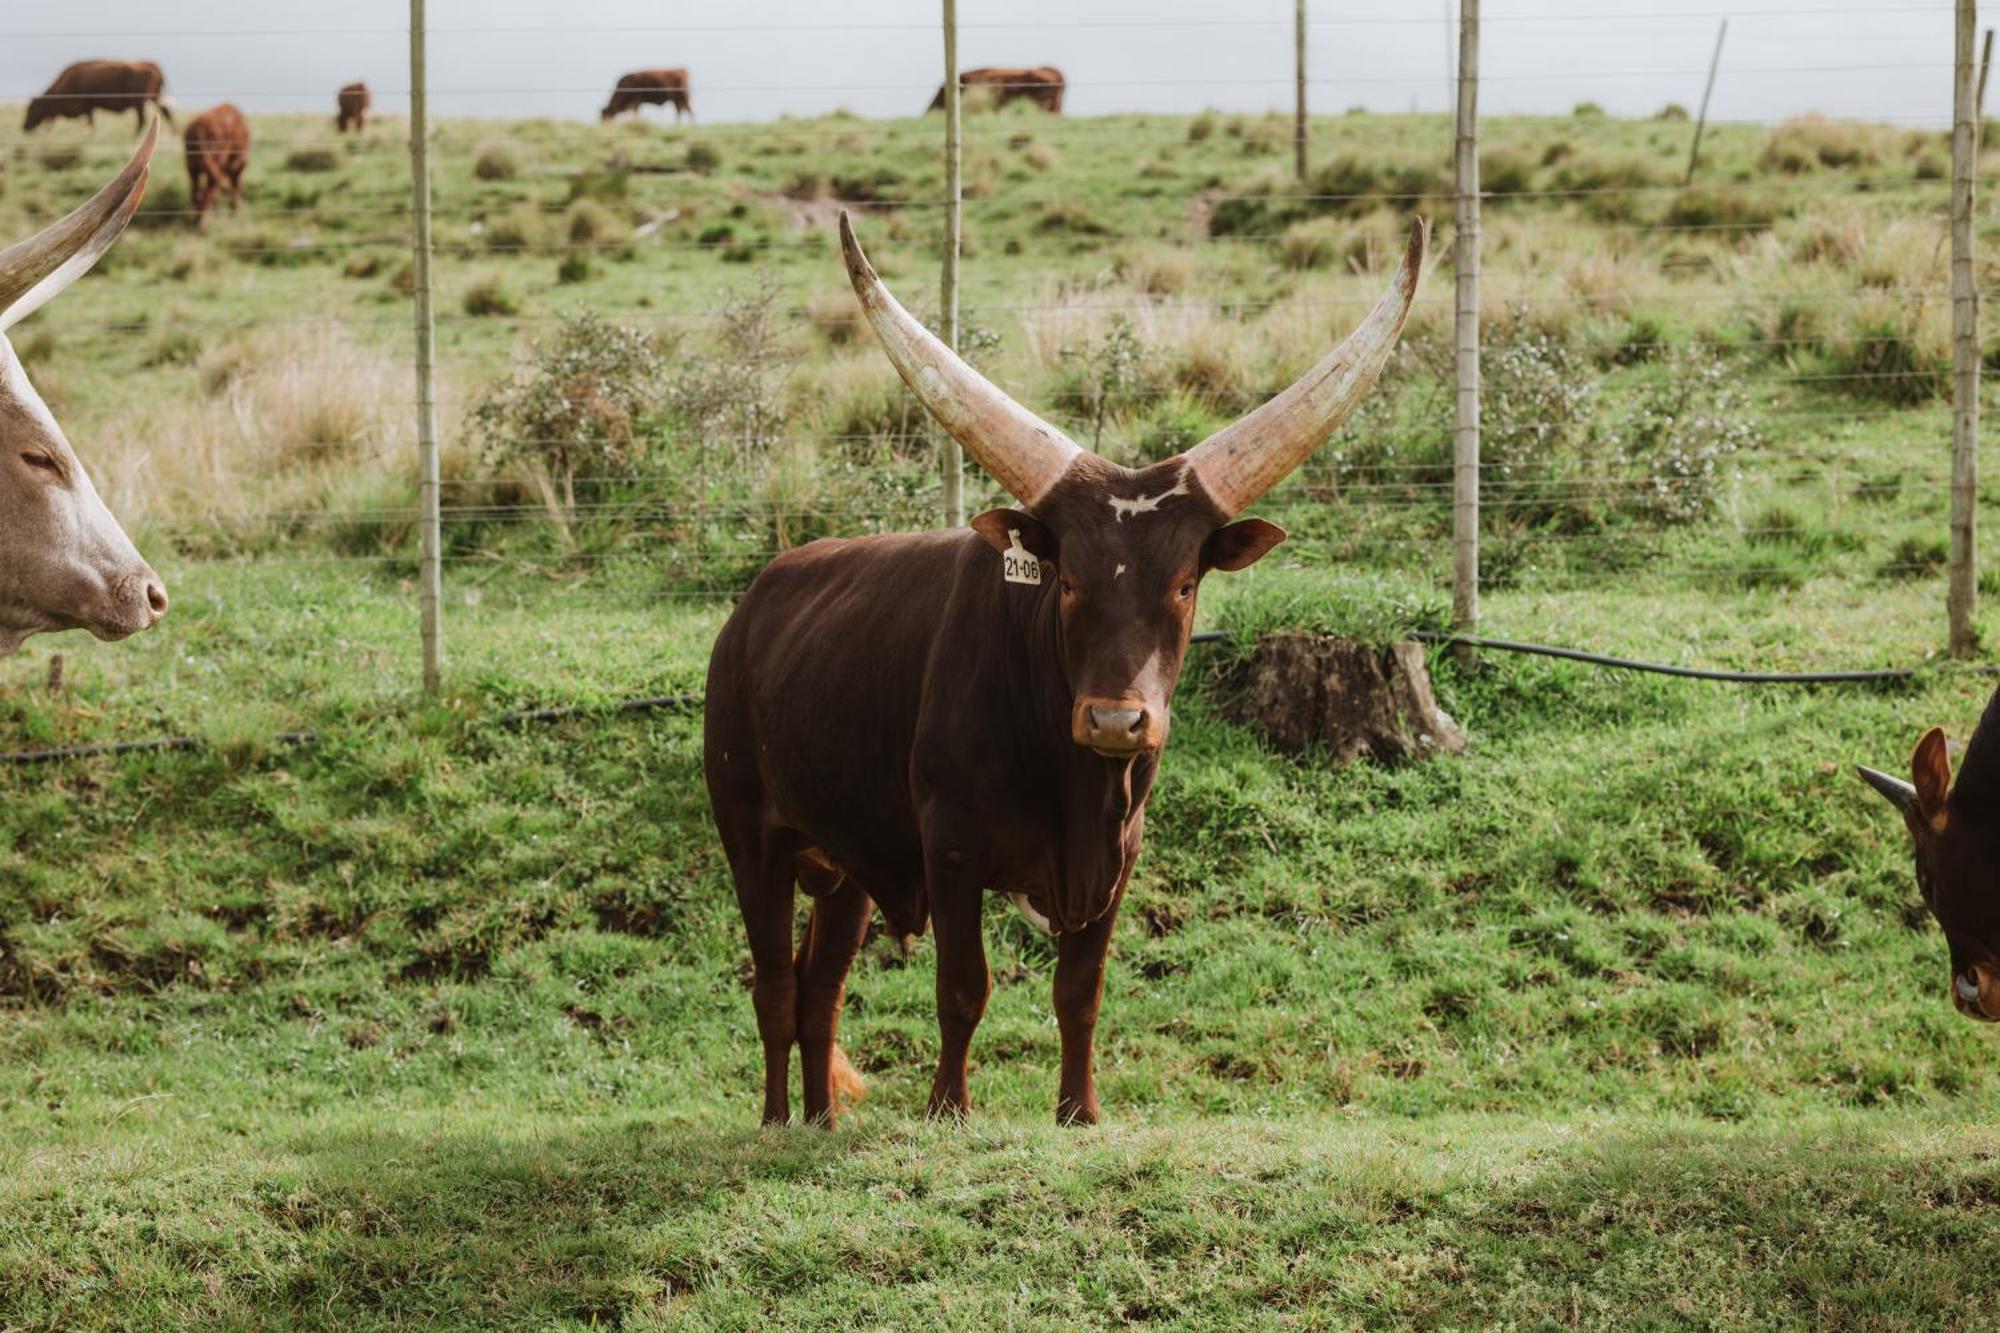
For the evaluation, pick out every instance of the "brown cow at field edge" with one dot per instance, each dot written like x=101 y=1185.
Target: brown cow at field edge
x=1955 y=832
x=907 y=722
x=650 y=87
x=90 y=86
x=1042 y=85
x=218 y=149
x=354 y=104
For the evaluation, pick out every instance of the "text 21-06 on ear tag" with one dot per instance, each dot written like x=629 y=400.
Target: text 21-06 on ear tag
x=1017 y=563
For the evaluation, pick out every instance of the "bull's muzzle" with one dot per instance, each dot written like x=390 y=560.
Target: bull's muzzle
x=1118 y=728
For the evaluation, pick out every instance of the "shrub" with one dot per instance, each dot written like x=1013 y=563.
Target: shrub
x=1609 y=189
x=1201 y=127
x=1915 y=558
x=1736 y=209
x=1505 y=171
x=514 y=231
x=578 y=409
x=1671 y=111
x=1039 y=156
x=1587 y=111
x=1809 y=142
x=495 y=161
x=703 y=157
x=574 y=268
x=305 y=160
x=1678 y=431
x=1311 y=245
x=489 y=296
x=1109 y=378
x=1158 y=270
x=732 y=397
x=593 y=224
x=60 y=156
x=1884 y=360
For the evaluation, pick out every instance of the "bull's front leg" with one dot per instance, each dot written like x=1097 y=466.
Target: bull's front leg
x=1079 y=991
x=963 y=984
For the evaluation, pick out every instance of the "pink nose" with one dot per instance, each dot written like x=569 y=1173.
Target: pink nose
x=1117 y=726
x=156 y=599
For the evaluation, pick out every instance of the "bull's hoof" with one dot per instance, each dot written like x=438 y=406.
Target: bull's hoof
x=948 y=1108
x=1077 y=1113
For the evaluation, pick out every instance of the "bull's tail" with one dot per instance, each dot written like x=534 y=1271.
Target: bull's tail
x=166 y=111
x=848 y=1087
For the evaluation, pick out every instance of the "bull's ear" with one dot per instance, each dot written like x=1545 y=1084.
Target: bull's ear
x=1930 y=773
x=1240 y=545
x=995 y=525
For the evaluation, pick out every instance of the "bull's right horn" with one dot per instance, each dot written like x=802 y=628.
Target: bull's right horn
x=36 y=269
x=1249 y=456
x=1021 y=451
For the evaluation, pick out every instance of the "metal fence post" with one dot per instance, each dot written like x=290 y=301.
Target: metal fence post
x=1962 y=591
x=1299 y=82
x=951 y=458
x=431 y=576
x=1465 y=454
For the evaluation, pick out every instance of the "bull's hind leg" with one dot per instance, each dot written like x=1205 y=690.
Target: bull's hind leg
x=761 y=865
x=833 y=936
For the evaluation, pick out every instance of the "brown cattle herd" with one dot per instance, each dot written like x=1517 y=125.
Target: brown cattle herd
x=218 y=140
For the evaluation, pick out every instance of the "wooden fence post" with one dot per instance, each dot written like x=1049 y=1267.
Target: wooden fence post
x=1299 y=90
x=1962 y=590
x=1465 y=454
x=1707 y=90
x=430 y=547
x=951 y=458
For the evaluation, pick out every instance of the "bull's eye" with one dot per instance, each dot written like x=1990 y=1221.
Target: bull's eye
x=1068 y=588
x=44 y=462
x=1187 y=590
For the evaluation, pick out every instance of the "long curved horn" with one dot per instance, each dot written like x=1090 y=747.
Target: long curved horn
x=1023 y=452
x=34 y=270
x=1899 y=793
x=1249 y=456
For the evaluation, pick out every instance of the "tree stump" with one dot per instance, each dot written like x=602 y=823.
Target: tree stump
x=1353 y=699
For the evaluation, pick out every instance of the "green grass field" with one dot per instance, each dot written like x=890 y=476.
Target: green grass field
x=1629 y=1018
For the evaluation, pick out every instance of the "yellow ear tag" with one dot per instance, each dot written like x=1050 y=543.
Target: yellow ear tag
x=1017 y=563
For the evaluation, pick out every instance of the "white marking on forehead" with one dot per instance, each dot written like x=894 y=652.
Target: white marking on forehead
x=1146 y=504
x=1116 y=572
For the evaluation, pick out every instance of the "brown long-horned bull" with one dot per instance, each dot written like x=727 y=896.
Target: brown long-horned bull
x=1955 y=833
x=64 y=561
x=908 y=722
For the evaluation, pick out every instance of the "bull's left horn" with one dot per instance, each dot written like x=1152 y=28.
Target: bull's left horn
x=1249 y=456
x=34 y=270
x=1021 y=451
x=1898 y=792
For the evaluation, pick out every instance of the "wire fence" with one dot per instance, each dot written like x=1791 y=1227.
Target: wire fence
x=1673 y=368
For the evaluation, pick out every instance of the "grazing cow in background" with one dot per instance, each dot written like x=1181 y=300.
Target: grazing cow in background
x=1955 y=831
x=353 y=109
x=218 y=149
x=909 y=721
x=650 y=87
x=1042 y=85
x=64 y=561
x=90 y=86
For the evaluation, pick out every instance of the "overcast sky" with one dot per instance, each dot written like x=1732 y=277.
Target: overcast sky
x=757 y=59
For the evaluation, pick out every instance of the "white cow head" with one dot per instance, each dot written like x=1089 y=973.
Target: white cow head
x=64 y=561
